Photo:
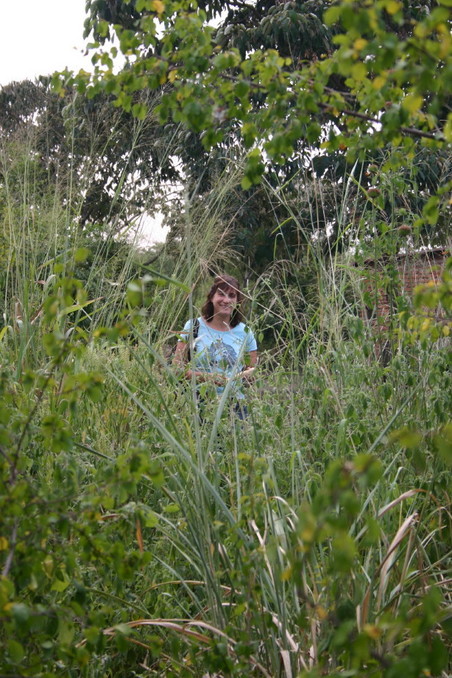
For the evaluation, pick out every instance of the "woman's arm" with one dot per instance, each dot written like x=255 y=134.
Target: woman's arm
x=179 y=358
x=254 y=358
x=248 y=372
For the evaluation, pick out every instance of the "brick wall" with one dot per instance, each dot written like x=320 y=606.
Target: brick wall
x=386 y=279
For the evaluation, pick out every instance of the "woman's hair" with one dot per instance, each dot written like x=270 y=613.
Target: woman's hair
x=224 y=282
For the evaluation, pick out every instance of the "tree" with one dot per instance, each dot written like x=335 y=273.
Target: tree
x=347 y=78
x=392 y=87
x=116 y=162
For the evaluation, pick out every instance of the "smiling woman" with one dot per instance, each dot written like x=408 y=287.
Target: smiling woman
x=224 y=347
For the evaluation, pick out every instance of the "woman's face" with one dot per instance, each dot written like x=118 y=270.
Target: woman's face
x=224 y=301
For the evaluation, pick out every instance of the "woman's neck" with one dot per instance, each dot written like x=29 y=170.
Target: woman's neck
x=220 y=323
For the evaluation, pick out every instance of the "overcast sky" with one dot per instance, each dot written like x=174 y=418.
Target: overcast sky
x=39 y=37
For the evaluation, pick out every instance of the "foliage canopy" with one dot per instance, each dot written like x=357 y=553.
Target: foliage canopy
x=376 y=73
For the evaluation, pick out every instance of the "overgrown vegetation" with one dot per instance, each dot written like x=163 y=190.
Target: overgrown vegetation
x=313 y=539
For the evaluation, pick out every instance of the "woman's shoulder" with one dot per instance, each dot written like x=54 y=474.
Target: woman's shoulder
x=246 y=334
x=242 y=327
x=192 y=322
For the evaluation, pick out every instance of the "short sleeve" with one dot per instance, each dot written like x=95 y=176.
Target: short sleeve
x=251 y=344
x=184 y=335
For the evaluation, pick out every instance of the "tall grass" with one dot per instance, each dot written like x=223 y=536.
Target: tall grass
x=312 y=539
x=254 y=541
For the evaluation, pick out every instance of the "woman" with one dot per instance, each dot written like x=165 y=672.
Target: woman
x=224 y=348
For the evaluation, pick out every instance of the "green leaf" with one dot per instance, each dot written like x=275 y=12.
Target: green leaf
x=413 y=103
x=246 y=183
x=438 y=656
x=431 y=210
x=156 y=474
x=332 y=15
x=60 y=585
x=344 y=552
x=443 y=444
x=134 y=294
x=151 y=519
x=81 y=255
x=15 y=651
x=392 y=7
x=139 y=111
x=242 y=89
x=359 y=71
x=172 y=281
x=406 y=438
x=92 y=635
x=78 y=307
x=171 y=508
x=448 y=128
x=102 y=28
x=21 y=613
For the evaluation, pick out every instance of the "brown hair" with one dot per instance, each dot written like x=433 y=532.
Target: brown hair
x=224 y=282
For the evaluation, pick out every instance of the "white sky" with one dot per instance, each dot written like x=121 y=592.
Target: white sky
x=40 y=37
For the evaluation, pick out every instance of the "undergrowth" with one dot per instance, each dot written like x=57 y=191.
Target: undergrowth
x=312 y=539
